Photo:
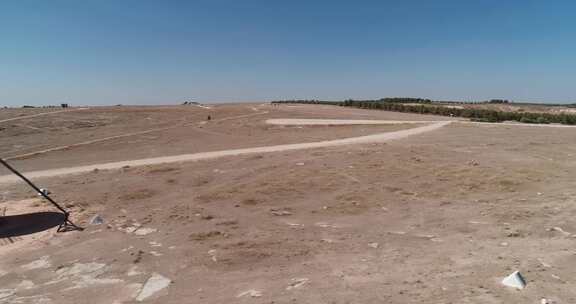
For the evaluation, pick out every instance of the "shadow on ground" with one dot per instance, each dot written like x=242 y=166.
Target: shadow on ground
x=24 y=224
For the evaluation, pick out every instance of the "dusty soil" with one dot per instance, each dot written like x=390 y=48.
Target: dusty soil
x=439 y=217
x=106 y=134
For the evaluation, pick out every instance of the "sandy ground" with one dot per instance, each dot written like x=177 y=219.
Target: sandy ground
x=436 y=217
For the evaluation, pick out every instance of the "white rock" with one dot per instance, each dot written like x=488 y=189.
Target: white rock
x=144 y=231
x=297 y=282
x=514 y=280
x=251 y=293
x=325 y=225
x=373 y=245
x=212 y=254
x=558 y=229
x=154 y=284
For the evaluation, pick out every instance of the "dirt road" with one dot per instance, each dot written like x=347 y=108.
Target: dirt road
x=339 y=122
x=375 y=138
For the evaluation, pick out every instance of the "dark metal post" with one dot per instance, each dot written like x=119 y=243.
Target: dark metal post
x=67 y=222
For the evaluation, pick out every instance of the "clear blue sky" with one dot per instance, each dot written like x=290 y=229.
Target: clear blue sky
x=162 y=52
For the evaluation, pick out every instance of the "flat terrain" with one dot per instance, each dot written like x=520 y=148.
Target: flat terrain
x=434 y=217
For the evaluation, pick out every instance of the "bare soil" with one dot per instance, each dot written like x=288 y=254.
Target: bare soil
x=439 y=217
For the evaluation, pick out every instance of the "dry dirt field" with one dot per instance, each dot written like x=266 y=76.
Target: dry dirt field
x=435 y=217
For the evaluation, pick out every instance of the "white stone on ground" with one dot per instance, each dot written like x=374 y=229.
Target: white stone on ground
x=145 y=231
x=514 y=280
x=250 y=293
x=297 y=282
x=153 y=285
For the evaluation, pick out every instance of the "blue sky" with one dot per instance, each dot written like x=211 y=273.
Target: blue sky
x=164 y=52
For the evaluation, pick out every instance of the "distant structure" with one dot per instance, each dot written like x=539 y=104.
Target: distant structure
x=64 y=105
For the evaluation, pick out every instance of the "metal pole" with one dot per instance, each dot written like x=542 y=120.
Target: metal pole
x=48 y=198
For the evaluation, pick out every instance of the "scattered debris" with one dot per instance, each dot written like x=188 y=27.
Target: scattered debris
x=426 y=236
x=154 y=284
x=325 y=225
x=478 y=223
x=144 y=231
x=514 y=234
x=139 y=256
x=294 y=224
x=473 y=163
x=155 y=244
x=212 y=254
x=544 y=263
x=97 y=220
x=280 y=212
x=250 y=293
x=297 y=282
x=558 y=229
x=45 y=191
x=515 y=280
x=127 y=248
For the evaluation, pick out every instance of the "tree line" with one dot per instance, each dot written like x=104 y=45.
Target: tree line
x=408 y=105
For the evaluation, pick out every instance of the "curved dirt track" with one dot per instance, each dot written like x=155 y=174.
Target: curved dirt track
x=337 y=122
x=375 y=138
